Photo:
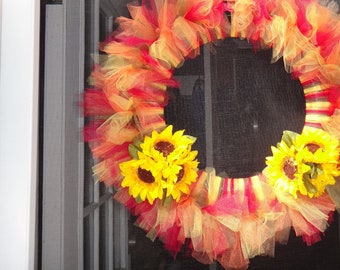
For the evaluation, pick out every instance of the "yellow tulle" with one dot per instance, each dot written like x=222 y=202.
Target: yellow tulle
x=332 y=126
x=116 y=129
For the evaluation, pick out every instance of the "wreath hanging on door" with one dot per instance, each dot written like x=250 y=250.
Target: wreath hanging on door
x=154 y=169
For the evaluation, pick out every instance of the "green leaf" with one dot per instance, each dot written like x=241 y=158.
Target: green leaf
x=319 y=169
x=137 y=142
x=315 y=170
x=309 y=186
x=312 y=171
x=167 y=201
x=289 y=137
x=133 y=151
x=138 y=199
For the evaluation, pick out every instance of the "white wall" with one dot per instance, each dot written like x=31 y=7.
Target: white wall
x=18 y=132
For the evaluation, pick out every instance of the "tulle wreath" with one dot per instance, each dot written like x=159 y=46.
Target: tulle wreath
x=226 y=219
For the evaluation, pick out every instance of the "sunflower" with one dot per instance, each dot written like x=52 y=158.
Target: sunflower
x=166 y=146
x=320 y=182
x=322 y=176
x=306 y=163
x=316 y=146
x=143 y=182
x=284 y=171
x=320 y=151
x=180 y=177
x=164 y=165
x=171 y=155
x=173 y=168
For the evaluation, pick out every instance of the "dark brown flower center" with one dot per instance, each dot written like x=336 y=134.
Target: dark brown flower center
x=289 y=169
x=180 y=175
x=164 y=147
x=312 y=147
x=145 y=176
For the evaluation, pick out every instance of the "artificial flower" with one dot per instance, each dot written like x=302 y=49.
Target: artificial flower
x=142 y=183
x=322 y=180
x=178 y=184
x=316 y=146
x=165 y=146
x=306 y=163
x=320 y=151
x=164 y=164
x=284 y=171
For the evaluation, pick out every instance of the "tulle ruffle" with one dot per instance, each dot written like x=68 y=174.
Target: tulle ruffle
x=246 y=219
x=307 y=42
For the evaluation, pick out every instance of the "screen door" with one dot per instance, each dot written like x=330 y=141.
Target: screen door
x=236 y=104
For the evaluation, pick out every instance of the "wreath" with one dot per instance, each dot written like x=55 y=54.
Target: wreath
x=154 y=169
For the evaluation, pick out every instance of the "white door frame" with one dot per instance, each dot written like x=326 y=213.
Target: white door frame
x=19 y=85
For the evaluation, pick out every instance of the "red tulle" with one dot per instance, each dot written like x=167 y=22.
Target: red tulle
x=95 y=103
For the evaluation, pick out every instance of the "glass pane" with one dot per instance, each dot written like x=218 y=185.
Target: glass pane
x=88 y=179
x=91 y=189
x=103 y=231
x=91 y=43
x=296 y=255
x=102 y=189
x=186 y=106
x=106 y=236
x=89 y=242
x=148 y=255
x=253 y=102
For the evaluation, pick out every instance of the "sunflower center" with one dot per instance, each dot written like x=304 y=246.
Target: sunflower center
x=164 y=147
x=289 y=169
x=145 y=176
x=312 y=147
x=180 y=175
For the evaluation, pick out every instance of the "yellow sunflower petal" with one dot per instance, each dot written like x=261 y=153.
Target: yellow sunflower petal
x=317 y=146
x=180 y=183
x=168 y=157
x=141 y=181
x=283 y=170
